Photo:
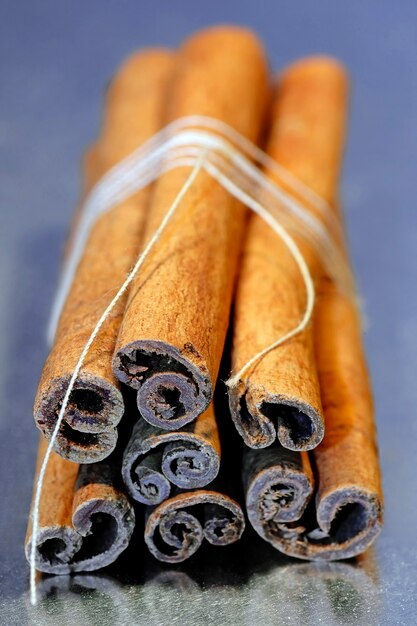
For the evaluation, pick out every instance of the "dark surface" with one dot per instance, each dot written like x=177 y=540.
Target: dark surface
x=55 y=61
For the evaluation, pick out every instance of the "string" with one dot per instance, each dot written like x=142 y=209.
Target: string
x=299 y=259
x=172 y=148
x=35 y=513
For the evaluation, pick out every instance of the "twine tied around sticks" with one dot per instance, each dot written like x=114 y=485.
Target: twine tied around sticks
x=207 y=144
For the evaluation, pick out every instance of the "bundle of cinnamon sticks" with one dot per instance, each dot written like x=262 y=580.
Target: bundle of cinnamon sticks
x=141 y=436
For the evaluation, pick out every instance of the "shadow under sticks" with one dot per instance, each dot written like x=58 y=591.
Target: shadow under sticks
x=268 y=591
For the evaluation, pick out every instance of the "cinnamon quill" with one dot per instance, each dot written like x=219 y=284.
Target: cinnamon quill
x=133 y=113
x=155 y=458
x=172 y=334
x=279 y=397
x=85 y=521
x=341 y=515
x=202 y=514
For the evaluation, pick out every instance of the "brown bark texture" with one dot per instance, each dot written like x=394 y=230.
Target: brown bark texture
x=340 y=515
x=85 y=521
x=200 y=514
x=133 y=113
x=279 y=397
x=173 y=331
x=155 y=458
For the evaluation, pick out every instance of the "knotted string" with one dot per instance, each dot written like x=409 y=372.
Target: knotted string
x=183 y=144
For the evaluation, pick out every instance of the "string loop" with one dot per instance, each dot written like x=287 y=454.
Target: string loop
x=239 y=161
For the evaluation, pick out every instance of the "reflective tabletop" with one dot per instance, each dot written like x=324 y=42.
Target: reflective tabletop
x=55 y=62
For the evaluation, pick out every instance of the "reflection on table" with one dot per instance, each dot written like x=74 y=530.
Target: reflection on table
x=246 y=584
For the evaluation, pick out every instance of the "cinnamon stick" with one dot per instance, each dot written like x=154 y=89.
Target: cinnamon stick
x=172 y=335
x=198 y=515
x=85 y=521
x=280 y=397
x=155 y=458
x=133 y=113
x=345 y=515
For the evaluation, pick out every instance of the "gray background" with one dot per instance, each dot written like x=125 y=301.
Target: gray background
x=55 y=60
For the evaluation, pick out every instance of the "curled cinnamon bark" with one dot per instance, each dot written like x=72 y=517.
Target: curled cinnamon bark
x=173 y=331
x=342 y=520
x=176 y=528
x=133 y=113
x=279 y=397
x=345 y=515
x=278 y=485
x=85 y=521
x=154 y=458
